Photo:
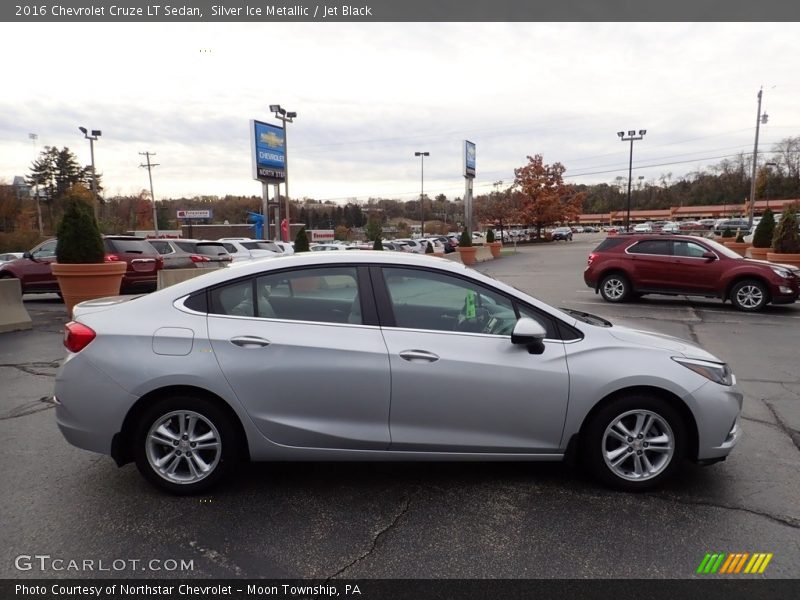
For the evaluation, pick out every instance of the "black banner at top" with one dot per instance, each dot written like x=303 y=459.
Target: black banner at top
x=366 y=11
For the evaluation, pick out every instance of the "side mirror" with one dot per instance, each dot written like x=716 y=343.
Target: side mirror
x=709 y=256
x=27 y=255
x=530 y=333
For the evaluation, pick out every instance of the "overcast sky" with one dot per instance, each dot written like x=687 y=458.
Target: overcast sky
x=369 y=95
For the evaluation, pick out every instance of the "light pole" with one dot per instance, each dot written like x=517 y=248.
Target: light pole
x=149 y=166
x=33 y=137
x=759 y=120
x=632 y=137
x=286 y=117
x=422 y=156
x=96 y=133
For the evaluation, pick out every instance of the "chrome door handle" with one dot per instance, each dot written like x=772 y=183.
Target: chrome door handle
x=410 y=355
x=247 y=341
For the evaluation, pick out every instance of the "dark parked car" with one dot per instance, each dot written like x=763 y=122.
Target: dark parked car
x=35 y=276
x=562 y=233
x=189 y=254
x=627 y=266
x=733 y=225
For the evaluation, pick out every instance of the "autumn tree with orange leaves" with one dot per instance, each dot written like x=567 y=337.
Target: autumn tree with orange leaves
x=546 y=199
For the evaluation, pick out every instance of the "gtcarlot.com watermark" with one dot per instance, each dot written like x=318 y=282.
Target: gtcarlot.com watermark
x=45 y=563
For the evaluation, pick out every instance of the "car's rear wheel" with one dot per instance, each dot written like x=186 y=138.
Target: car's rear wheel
x=185 y=444
x=749 y=295
x=615 y=288
x=634 y=443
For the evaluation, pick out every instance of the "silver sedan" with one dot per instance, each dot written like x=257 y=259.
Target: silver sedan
x=380 y=356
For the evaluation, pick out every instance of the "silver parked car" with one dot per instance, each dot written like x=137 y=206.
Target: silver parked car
x=380 y=356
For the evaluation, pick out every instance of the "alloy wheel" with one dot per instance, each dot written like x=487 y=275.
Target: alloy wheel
x=638 y=445
x=183 y=447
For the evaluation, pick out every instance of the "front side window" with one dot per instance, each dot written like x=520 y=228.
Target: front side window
x=428 y=300
x=688 y=249
x=46 y=250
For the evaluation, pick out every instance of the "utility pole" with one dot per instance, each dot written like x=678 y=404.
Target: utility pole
x=759 y=120
x=149 y=166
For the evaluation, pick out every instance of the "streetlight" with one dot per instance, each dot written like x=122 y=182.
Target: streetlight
x=759 y=120
x=632 y=137
x=422 y=156
x=96 y=133
x=286 y=117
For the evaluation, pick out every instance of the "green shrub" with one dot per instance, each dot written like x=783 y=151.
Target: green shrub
x=465 y=239
x=79 y=239
x=727 y=233
x=301 y=241
x=428 y=248
x=378 y=244
x=489 y=236
x=762 y=238
x=786 y=239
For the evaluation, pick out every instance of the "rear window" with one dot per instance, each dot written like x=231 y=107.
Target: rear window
x=261 y=246
x=211 y=249
x=609 y=243
x=129 y=246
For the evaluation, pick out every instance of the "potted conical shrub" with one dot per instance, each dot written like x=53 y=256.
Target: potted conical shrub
x=493 y=244
x=465 y=248
x=786 y=239
x=762 y=237
x=301 y=241
x=80 y=268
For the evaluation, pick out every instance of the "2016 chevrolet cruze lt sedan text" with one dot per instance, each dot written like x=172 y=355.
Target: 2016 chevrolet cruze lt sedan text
x=380 y=356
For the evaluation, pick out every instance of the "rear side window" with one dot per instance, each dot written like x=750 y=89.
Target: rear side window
x=234 y=299
x=609 y=243
x=660 y=247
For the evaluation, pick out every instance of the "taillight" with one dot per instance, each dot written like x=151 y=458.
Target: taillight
x=197 y=258
x=112 y=258
x=592 y=256
x=77 y=336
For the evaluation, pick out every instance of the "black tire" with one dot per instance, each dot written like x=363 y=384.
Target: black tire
x=749 y=295
x=211 y=423
x=596 y=446
x=615 y=287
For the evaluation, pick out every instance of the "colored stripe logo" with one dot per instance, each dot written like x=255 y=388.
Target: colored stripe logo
x=734 y=563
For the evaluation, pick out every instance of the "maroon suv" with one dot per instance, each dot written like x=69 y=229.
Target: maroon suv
x=628 y=266
x=35 y=276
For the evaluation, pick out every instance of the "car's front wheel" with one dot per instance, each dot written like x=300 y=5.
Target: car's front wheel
x=635 y=442
x=749 y=295
x=615 y=288
x=185 y=444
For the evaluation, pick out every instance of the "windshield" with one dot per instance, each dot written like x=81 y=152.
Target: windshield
x=587 y=317
x=720 y=249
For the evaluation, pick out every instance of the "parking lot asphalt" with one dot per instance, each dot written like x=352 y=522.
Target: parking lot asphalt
x=419 y=520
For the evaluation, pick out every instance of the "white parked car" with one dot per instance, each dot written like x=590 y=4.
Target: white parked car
x=324 y=247
x=286 y=247
x=247 y=249
x=643 y=228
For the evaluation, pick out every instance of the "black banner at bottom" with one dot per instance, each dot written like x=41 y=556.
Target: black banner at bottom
x=390 y=589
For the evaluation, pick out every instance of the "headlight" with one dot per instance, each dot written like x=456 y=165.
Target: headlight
x=717 y=372
x=780 y=272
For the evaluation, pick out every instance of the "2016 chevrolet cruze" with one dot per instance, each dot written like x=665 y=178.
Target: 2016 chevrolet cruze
x=380 y=356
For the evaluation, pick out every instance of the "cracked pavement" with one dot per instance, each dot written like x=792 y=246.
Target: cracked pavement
x=414 y=520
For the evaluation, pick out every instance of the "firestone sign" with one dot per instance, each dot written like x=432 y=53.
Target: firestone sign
x=194 y=214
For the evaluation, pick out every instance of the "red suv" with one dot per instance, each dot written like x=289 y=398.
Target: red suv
x=628 y=266
x=35 y=276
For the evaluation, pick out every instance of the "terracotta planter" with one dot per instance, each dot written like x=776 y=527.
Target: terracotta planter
x=88 y=281
x=787 y=259
x=758 y=253
x=739 y=247
x=495 y=248
x=467 y=254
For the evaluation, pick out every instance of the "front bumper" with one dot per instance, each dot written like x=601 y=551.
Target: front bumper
x=716 y=410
